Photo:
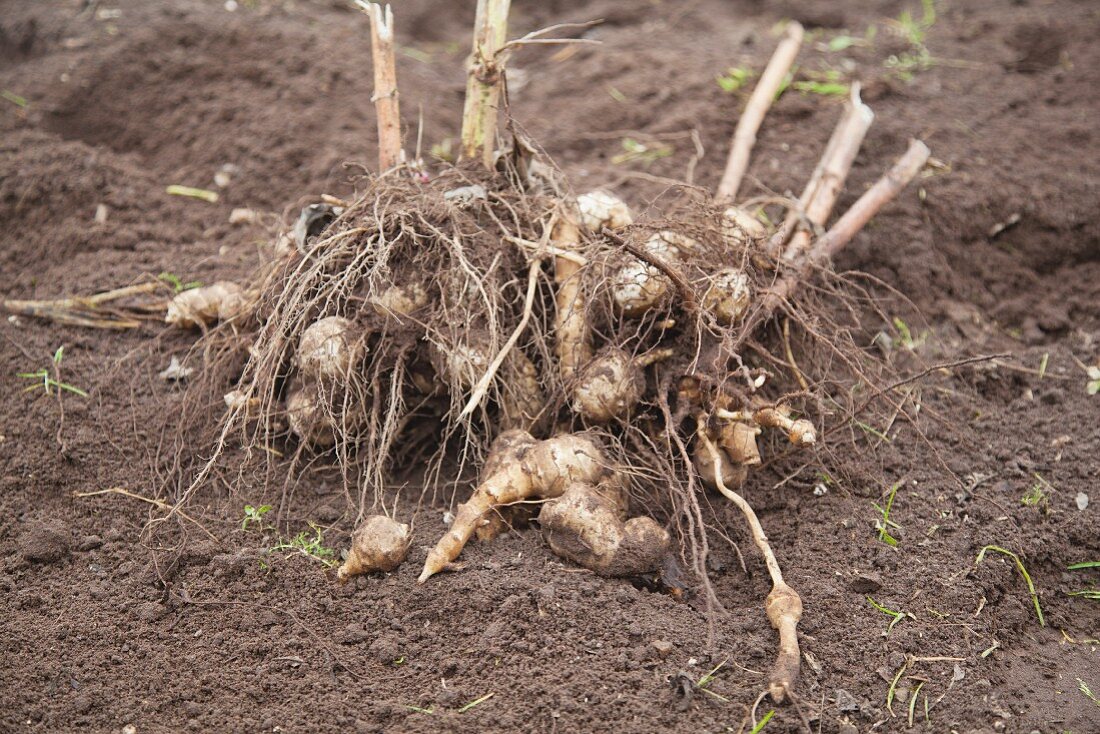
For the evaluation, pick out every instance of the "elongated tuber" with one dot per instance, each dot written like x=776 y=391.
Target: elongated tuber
x=328 y=348
x=203 y=306
x=583 y=526
x=611 y=385
x=572 y=347
x=518 y=468
x=599 y=209
x=799 y=432
x=378 y=544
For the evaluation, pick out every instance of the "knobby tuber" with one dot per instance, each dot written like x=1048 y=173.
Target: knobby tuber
x=378 y=544
x=585 y=526
x=519 y=468
x=639 y=287
x=611 y=384
x=328 y=349
x=599 y=209
x=203 y=306
x=728 y=296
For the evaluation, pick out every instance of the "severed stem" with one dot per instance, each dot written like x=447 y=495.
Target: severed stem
x=84 y=310
x=884 y=191
x=484 y=82
x=828 y=179
x=783 y=605
x=744 y=137
x=385 y=85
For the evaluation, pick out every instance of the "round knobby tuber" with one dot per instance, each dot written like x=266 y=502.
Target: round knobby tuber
x=203 y=306
x=741 y=226
x=599 y=209
x=608 y=387
x=328 y=348
x=738 y=440
x=397 y=301
x=728 y=296
x=584 y=526
x=462 y=364
x=308 y=419
x=639 y=287
x=378 y=544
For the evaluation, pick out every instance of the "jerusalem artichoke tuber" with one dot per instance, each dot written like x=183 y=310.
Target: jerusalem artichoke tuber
x=378 y=544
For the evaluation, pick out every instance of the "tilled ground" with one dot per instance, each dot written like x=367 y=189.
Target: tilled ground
x=998 y=252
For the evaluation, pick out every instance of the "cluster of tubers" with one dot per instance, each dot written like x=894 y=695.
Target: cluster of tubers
x=481 y=312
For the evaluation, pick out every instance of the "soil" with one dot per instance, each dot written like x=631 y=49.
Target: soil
x=998 y=252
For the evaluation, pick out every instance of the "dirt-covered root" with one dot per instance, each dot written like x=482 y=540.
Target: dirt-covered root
x=519 y=468
x=585 y=526
x=784 y=610
x=379 y=544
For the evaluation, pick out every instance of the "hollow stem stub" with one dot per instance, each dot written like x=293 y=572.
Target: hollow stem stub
x=385 y=85
x=484 y=81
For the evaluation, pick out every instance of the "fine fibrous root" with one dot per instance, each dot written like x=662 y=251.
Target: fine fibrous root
x=379 y=544
x=783 y=605
x=519 y=468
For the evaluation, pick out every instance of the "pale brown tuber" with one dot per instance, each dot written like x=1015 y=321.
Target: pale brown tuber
x=728 y=296
x=396 y=302
x=378 y=544
x=584 y=526
x=599 y=209
x=639 y=287
x=203 y=306
x=799 y=432
x=519 y=468
x=328 y=349
x=307 y=417
x=739 y=225
x=611 y=385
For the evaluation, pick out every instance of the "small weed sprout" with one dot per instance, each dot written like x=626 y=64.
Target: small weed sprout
x=1036 y=496
x=1023 y=572
x=763 y=722
x=884 y=524
x=1093 y=385
x=310 y=546
x=46 y=378
x=914 y=31
x=254 y=515
x=707 y=679
x=734 y=78
x=1084 y=688
x=176 y=283
x=475 y=702
x=905 y=338
x=1092 y=593
x=896 y=616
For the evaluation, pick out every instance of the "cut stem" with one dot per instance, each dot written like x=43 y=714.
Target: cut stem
x=744 y=137
x=828 y=179
x=885 y=190
x=783 y=606
x=385 y=101
x=485 y=81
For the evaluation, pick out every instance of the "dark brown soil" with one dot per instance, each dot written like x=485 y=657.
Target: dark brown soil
x=241 y=640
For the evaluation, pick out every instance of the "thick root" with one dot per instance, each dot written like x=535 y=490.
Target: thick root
x=584 y=526
x=378 y=544
x=519 y=468
x=799 y=432
x=784 y=610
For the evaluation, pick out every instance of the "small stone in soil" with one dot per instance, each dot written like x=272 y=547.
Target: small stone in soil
x=663 y=647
